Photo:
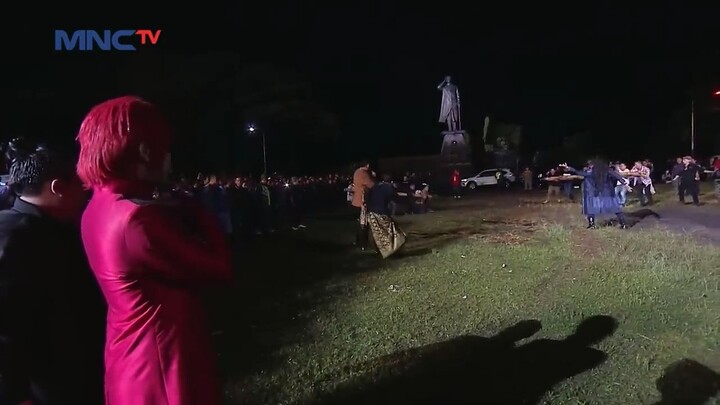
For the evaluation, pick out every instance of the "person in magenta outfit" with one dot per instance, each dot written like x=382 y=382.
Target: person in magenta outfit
x=151 y=257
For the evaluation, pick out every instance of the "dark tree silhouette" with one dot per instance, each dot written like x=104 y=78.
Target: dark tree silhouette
x=212 y=98
x=280 y=103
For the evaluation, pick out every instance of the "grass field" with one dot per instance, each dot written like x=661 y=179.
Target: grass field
x=313 y=321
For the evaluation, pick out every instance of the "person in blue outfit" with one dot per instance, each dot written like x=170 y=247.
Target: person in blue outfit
x=598 y=191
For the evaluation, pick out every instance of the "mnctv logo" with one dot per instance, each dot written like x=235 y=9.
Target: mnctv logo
x=107 y=40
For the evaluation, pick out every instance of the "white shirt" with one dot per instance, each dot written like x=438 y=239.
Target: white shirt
x=623 y=173
x=644 y=175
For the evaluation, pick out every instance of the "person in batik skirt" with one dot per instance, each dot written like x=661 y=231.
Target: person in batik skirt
x=388 y=237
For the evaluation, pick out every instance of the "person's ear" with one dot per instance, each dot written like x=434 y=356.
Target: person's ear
x=144 y=152
x=57 y=187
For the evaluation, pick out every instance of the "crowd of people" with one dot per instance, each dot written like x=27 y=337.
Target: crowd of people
x=685 y=173
x=247 y=206
x=411 y=195
x=112 y=313
x=605 y=185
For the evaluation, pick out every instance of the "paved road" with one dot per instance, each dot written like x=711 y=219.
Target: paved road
x=701 y=222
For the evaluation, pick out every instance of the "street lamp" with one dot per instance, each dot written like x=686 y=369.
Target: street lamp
x=692 y=128
x=252 y=130
x=692 y=124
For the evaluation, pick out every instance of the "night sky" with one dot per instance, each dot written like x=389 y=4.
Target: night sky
x=617 y=73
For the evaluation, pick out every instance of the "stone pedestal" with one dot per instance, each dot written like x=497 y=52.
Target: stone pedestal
x=455 y=148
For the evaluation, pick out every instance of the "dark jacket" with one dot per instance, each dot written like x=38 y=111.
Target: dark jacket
x=689 y=174
x=52 y=314
x=677 y=169
x=215 y=199
x=379 y=198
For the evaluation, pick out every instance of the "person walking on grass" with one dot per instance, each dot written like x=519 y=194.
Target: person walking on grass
x=363 y=181
x=689 y=181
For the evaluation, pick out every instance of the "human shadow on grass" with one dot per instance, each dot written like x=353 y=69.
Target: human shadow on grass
x=687 y=382
x=634 y=217
x=479 y=370
x=280 y=282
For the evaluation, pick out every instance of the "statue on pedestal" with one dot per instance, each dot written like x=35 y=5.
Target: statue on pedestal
x=456 y=142
x=450 y=107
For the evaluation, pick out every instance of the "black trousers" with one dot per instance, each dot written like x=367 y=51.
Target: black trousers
x=644 y=193
x=362 y=232
x=689 y=187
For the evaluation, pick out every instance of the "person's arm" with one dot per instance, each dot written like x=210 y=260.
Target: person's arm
x=616 y=176
x=163 y=248
x=367 y=183
x=676 y=174
x=576 y=171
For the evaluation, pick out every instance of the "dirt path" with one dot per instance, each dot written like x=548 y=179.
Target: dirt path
x=701 y=222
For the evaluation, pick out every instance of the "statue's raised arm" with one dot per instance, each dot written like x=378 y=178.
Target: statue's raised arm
x=442 y=84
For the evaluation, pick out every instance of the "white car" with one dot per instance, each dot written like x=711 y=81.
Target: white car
x=489 y=178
